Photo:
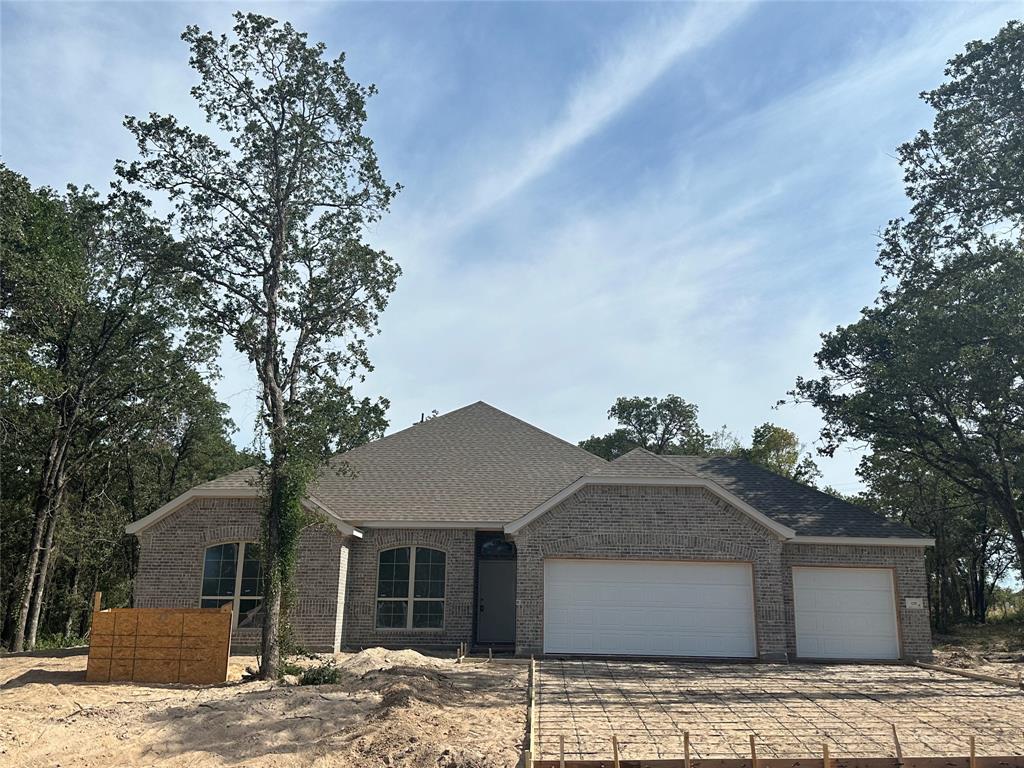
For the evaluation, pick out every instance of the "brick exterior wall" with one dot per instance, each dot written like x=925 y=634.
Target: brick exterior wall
x=459 y=546
x=651 y=523
x=336 y=579
x=909 y=579
x=171 y=567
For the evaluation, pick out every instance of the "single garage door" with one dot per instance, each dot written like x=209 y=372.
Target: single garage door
x=845 y=613
x=648 y=608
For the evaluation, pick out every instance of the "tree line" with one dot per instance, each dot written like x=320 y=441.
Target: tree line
x=107 y=410
x=113 y=317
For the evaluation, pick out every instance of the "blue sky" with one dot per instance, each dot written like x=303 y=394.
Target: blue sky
x=600 y=199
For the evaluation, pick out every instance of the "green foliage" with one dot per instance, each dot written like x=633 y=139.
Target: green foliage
x=932 y=372
x=665 y=425
x=972 y=551
x=669 y=426
x=106 y=411
x=49 y=642
x=780 y=450
x=964 y=175
x=930 y=376
x=273 y=220
x=324 y=673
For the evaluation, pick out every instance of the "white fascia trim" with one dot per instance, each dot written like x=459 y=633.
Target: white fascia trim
x=673 y=482
x=310 y=503
x=480 y=526
x=863 y=541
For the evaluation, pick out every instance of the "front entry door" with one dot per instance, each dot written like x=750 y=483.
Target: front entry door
x=496 y=601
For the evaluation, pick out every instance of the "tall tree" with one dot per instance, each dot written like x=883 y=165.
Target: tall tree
x=273 y=219
x=780 y=450
x=972 y=551
x=966 y=174
x=660 y=425
x=94 y=347
x=933 y=371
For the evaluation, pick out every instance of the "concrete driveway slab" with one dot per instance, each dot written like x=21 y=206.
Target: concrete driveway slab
x=792 y=710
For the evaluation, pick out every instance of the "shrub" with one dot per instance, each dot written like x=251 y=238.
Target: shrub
x=324 y=673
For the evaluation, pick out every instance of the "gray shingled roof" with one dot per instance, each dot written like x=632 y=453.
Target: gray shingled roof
x=807 y=511
x=475 y=464
x=480 y=464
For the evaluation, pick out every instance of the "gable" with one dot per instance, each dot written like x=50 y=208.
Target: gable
x=650 y=481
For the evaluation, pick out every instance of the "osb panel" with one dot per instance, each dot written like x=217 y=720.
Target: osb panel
x=159 y=623
x=103 y=623
x=150 y=645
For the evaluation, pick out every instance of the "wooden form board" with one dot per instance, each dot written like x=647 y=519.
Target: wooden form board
x=805 y=762
x=160 y=645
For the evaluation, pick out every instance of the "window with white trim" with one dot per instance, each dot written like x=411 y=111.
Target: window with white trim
x=410 y=588
x=227 y=582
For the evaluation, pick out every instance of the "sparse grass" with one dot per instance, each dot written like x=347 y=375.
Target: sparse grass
x=994 y=636
x=50 y=642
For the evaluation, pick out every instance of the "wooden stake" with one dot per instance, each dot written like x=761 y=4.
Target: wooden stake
x=896 y=741
x=561 y=752
x=615 y=751
x=686 y=749
x=753 y=752
x=824 y=756
x=490 y=653
x=533 y=714
x=973 y=756
x=97 y=596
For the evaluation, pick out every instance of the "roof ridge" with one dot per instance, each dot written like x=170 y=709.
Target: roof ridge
x=535 y=428
x=660 y=457
x=403 y=430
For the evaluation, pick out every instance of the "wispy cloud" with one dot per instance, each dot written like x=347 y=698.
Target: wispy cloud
x=628 y=69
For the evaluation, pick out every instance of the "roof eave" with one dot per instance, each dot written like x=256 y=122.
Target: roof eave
x=871 y=541
x=311 y=503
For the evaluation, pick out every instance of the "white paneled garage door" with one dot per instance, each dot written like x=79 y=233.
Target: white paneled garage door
x=845 y=613
x=648 y=608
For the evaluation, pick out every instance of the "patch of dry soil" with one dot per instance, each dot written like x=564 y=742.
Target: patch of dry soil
x=391 y=708
x=1007 y=665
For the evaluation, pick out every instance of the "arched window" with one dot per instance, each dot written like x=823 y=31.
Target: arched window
x=225 y=582
x=410 y=588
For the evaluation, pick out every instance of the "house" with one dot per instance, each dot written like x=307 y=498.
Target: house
x=476 y=526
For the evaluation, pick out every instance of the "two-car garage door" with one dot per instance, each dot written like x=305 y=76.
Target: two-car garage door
x=649 y=608
x=668 y=608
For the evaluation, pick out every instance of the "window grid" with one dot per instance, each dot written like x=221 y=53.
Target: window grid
x=421 y=604
x=225 y=581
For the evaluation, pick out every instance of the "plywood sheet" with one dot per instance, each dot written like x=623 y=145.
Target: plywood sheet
x=155 y=645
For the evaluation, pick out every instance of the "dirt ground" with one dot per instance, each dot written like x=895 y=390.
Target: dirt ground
x=790 y=709
x=392 y=708
x=996 y=648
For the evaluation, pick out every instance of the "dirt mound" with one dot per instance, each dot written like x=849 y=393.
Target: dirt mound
x=378 y=659
x=391 y=708
x=957 y=657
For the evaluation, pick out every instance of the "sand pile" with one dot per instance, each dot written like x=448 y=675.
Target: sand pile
x=379 y=659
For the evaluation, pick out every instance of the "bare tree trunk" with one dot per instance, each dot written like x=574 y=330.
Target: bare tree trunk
x=270 y=647
x=53 y=466
x=73 y=607
x=85 y=624
x=44 y=572
x=1012 y=517
x=274 y=399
